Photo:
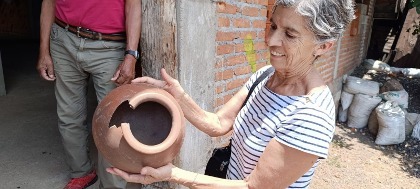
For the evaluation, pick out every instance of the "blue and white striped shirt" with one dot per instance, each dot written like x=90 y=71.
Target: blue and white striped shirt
x=305 y=123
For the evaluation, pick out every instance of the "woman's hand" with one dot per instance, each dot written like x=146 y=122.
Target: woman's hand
x=147 y=175
x=169 y=84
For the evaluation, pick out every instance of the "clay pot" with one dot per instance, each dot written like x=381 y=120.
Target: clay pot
x=137 y=125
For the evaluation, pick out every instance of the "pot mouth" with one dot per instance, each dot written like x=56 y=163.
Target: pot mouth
x=154 y=99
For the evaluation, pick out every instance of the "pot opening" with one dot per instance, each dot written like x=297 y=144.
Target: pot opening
x=150 y=122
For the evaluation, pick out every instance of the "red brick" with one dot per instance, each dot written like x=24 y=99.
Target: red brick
x=258 y=2
x=219 y=76
x=263 y=2
x=259 y=24
x=223 y=75
x=225 y=49
x=239 y=48
x=261 y=35
x=242 y=70
x=241 y=23
x=251 y=11
x=263 y=12
x=238 y=83
x=244 y=35
x=223 y=7
x=223 y=22
x=260 y=46
x=235 y=60
x=226 y=36
x=219 y=89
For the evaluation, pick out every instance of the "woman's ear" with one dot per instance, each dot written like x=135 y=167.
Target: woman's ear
x=323 y=48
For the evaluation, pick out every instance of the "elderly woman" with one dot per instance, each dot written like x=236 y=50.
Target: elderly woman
x=286 y=126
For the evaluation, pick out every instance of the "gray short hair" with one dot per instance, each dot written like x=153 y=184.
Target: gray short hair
x=328 y=19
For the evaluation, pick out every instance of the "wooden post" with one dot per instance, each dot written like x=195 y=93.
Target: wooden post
x=158 y=45
x=158 y=38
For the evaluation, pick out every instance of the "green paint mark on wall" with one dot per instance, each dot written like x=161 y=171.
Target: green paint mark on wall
x=250 y=52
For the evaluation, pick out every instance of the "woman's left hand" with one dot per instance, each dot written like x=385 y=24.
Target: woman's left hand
x=147 y=175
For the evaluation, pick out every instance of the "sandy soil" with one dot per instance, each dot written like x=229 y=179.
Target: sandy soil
x=355 y=161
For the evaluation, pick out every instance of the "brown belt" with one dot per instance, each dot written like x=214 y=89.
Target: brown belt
x=86 y=33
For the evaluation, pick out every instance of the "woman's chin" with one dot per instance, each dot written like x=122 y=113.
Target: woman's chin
x=280 y=61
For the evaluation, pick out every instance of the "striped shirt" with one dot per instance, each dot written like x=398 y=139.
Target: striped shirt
x=305 y=123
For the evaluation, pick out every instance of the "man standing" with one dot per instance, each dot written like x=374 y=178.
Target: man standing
x=80 y=40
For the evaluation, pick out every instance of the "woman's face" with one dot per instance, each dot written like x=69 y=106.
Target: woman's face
x=291 y=44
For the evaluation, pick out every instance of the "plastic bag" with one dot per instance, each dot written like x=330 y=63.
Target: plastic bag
x=342 y=114
x=377 y=65
x=373 y=124
x=391 y=119
x=401 y=97
x=411 y=120
x=355 y=85
x=411 y=72
x=416 y=131
x=360 y=110
x=346 y=99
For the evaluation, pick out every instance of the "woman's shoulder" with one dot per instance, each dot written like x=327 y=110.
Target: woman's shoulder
x=256 y=75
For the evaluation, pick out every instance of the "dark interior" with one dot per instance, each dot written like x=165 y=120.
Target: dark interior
x=150 y=122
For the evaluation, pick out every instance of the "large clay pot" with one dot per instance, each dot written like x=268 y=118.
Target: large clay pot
x=137 y=125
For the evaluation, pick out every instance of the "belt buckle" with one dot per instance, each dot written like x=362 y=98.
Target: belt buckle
x=78 y=31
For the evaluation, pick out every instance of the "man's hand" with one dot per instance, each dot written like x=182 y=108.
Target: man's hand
x=125 y=72
x=45 y=67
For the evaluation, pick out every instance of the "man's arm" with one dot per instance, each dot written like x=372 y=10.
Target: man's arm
x=45 y=66
x=126 y=70
x=133 y=23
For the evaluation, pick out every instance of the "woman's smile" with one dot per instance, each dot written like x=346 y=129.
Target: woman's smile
x=276 y=54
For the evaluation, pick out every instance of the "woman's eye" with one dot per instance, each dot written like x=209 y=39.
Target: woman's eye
x=273 y=27
x=289 y=35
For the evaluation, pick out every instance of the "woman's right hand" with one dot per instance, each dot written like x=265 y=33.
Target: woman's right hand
x=169 y=84
x=147 y=175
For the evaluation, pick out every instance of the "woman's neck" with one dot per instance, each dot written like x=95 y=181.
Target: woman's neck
x=297 y=83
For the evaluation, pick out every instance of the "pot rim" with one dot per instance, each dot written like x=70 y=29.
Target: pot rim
x=173 y=109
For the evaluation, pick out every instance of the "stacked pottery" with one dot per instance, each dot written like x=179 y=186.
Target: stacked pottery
x=137 y=125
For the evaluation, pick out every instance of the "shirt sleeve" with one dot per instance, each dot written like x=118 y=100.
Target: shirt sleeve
x=254 y=76
x=309 y=129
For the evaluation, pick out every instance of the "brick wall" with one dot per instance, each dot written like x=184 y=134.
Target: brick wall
x=354 y=47
x=240 y=47
x=241 y=20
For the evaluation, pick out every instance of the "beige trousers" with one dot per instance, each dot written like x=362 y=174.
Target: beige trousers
x=76 y=60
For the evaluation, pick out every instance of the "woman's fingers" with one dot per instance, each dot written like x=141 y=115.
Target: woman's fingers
x=135 y=178
x=166 y=76
x=167 y=82
x=151 y=81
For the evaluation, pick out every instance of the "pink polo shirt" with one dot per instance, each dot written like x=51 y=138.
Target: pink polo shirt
x=104 y=16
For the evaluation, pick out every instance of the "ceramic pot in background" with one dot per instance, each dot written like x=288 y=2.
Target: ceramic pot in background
x=137 y=125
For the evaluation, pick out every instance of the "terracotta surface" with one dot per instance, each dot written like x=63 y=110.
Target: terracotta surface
x=137 y=125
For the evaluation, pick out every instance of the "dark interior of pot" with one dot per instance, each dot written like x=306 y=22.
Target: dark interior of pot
x=150 y=122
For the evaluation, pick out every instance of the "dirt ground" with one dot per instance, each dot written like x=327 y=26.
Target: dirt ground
x=355 y=161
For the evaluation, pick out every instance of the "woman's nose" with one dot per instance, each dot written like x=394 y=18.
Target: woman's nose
x=274 y=39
